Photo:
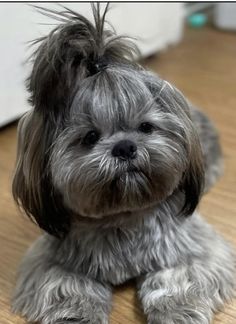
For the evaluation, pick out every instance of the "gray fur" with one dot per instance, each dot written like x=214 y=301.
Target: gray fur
x=209 y=138
x=108 y=220
x=184 y=270
x=85 y=176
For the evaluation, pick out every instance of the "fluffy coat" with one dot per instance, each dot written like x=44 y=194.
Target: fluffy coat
x=112 y=217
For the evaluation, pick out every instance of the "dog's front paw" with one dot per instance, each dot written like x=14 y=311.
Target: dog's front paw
x=80 y=313
x=95 y=317
x=80 y=321
x=174 y=309
x=72 y=321
x=184 y=314
x=65 y=311
x=61 y=298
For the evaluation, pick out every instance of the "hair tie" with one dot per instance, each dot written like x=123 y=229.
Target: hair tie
x=96 y=67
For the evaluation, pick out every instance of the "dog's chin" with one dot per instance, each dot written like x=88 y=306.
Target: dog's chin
x=131 y=191
x=127 y=176
x=120 y=211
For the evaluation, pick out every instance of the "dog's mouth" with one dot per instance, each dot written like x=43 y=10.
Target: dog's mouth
x=131 y=169
x=131 y=177
x=131 y=190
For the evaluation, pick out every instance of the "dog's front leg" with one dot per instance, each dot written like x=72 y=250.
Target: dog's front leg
x=49 y=293
x=187 y=294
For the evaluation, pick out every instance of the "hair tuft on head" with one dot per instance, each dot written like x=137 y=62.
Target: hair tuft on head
x=73 y=51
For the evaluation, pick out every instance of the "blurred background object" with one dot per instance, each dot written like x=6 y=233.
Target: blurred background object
x=197 y=13
x=225 y=16
x=220 y=15
x=155 y=25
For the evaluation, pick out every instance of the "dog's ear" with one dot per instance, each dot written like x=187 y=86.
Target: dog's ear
x=173 y=102
x=32 y=186
x=192 y=183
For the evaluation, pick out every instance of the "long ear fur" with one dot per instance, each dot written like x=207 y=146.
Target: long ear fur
x=192 y=183
x=173 y=101
x=32 y=187
x=74 y=50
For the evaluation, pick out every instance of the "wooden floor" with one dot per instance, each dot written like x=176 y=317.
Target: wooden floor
x=203 y=66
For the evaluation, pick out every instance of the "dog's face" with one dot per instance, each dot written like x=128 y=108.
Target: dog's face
x=105 y=136
x=121 y=150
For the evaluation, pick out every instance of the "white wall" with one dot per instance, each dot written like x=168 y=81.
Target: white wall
x=155 y=25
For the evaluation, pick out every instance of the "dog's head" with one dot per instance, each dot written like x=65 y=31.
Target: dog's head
x=104 y=136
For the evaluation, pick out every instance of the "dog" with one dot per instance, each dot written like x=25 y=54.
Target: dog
x=112 y=162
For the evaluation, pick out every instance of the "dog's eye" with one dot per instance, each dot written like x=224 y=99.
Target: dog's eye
x=91 y=138
x=146 y=128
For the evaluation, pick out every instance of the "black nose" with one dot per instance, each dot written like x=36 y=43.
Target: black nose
x=125 y=150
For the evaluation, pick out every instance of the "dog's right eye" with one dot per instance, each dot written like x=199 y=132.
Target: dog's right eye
x=91 y=138
x=146 y=128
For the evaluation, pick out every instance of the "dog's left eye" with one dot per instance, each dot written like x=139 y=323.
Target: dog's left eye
x=91 y=138
x=146 y=128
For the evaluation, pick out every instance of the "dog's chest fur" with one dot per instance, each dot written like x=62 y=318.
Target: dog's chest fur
x=116 y=254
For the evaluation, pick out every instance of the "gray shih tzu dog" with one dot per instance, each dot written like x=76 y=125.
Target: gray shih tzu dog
x=112 y=162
